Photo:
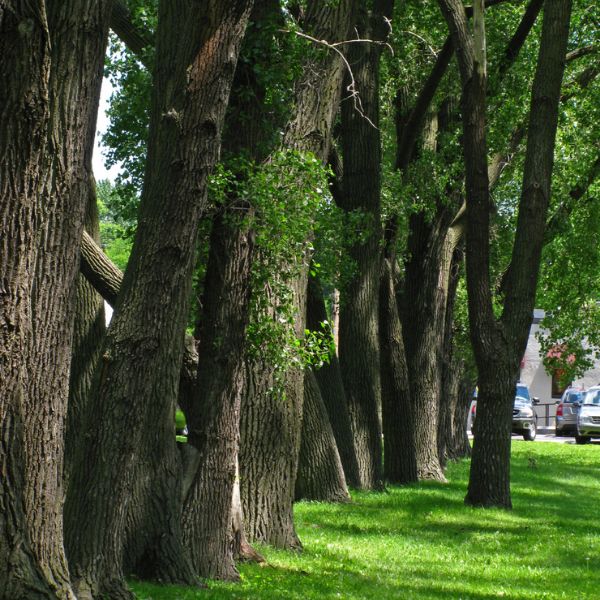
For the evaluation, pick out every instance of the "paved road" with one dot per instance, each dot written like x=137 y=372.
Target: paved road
x=547 y=435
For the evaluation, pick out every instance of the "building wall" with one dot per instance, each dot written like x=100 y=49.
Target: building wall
x=539 y=381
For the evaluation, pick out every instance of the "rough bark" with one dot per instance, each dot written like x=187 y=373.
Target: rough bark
x=88 y=333
x=130 y=498
x=499 y=344
x=270 y=426
x=329 y=378
x=361 y=185
x=214 y=528
x=451 y=441
x=400 y=464
x=320 y=473
x=24 y=114
x=50 y=77
x=213 y=420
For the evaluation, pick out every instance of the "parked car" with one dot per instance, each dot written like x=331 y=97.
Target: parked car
x=588 y=418
x=524 y=418
x=566 y=411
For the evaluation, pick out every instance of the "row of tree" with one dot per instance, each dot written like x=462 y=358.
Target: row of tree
x=273 y=152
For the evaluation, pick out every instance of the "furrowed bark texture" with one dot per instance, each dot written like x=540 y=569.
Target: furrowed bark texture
x=271 y=425
x=24 y=113
x=329 y=379
x=130 y=500
x=207 y=515
x=423 y=304
x=361 y=185
x=88 y=333
x=320 y=473
x=451 y=443
x=423 y=328
x=52 y=56
x=400 y=462
x=522 y=279
x=106 y=278
x=499 y=345
x=213 y=515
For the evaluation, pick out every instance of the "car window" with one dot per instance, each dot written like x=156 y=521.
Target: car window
x=592 y=397
x=523 y=392
x=572 y=397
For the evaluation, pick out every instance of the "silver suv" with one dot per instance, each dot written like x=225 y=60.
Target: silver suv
x=588 y=419
x=524 y=418
x=566 y=411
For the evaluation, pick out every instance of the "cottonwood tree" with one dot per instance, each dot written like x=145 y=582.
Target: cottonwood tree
x=361 y=191
x=132 y=501
x=270 y=422
x=499 y=344
x=50 y=81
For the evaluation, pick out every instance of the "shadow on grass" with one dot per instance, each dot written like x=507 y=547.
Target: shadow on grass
x=422 y=542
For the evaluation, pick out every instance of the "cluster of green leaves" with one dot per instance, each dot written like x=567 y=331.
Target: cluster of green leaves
x=115 y=230
x=569 y=288
x=129 y=108
x=286 y=194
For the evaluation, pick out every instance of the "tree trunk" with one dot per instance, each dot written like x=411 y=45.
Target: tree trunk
x=424 y=304
x=271 y=423
x=451 y=363
x=361 y=184
x=320 y=473
x=269 y=434
x=499 y=345
x=88 y=333
x=49 y=82
x=400 y=464
x=128 y=475
x=207 y=515
x=24 y=113
x=214 y=528
x=329 y=378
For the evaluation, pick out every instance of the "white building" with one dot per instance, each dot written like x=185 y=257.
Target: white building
x=540 y=382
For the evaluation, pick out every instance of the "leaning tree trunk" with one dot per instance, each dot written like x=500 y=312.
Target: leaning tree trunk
x=213 y=515
x=270 y=422
x=51 y=68
x=361 y=185
x=88 y=334
x=320 y=473
x=129 y=473
x=207 y=515
x=329 y=378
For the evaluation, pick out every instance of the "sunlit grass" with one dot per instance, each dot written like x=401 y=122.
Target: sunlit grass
x=422 y=542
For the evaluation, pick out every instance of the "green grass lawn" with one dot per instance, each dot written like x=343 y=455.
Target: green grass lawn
x=422 y=542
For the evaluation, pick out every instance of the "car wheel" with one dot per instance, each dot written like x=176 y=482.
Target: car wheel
x=581 y=439
x=529 y=434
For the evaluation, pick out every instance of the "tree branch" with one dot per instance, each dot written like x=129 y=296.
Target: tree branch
x=136 y=40
x=106 y=278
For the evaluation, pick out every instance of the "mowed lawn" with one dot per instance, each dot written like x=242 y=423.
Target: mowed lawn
x=422 y=542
